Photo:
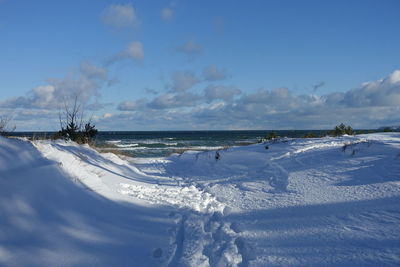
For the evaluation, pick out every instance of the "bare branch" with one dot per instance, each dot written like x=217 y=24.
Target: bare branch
x=5 y=127
x=72 y=122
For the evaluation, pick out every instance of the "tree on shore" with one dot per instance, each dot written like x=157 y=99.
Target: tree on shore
x=342 y=129
x=72 y=124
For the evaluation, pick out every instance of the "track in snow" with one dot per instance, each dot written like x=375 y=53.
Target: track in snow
x=225 y=209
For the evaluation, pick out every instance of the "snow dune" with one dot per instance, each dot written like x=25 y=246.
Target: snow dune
x=308 y=202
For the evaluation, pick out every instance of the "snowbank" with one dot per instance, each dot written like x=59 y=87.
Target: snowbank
x=47 y=220
x=329 y=201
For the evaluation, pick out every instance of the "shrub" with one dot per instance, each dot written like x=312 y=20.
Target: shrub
x=271 y=136
x=310 y=135
x=89 y=132
x=72 y=127
x=342 y=129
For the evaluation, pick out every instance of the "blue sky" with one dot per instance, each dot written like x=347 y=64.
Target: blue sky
x=183 y=65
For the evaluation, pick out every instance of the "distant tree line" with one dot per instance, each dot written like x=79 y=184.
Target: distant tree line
x=339 y=130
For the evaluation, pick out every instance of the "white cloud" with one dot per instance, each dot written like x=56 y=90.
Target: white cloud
x=190 y=49
x=133 y=51
x=92 y=71
x=166 y=13
x=220 y=92
x=212 y=73
x=224 y=107
x=169 y=101
x=53 y=95
x=127 y=105
x=183 y=80
x=383 y=92
x=108 y=115
x=34 y=120
x=164 y=102
x=133 y=105
x=120 y=16
x=373 y=104
x=43 y=96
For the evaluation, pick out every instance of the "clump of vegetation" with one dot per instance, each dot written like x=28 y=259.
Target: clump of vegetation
x=387 y=129
x=72 y=125
x=310 y=135
x=5 y=127
x=271 y=136
x=342 y=129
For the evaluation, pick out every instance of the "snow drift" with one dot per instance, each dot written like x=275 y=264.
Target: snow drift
x=328 y=201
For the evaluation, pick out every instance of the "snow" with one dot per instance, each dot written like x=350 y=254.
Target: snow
x=309 y=202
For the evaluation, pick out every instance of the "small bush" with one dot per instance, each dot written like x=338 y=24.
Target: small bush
x=72 y=127
x=271 y=136
x=310 y=135
x=81 y=136
x=342 y=129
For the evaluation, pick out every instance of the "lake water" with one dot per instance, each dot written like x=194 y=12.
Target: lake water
x=164 y=143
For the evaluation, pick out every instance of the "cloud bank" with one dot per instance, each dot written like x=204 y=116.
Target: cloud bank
x=217 y=106
x=373 y=104
x=212 y=73
x=183 y=80
x=58 y=91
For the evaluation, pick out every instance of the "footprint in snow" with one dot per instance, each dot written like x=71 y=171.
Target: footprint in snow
x=157 y=253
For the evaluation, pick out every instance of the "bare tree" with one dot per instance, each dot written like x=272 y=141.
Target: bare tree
x=71 y=119
x=72 y=126
x=5 y=127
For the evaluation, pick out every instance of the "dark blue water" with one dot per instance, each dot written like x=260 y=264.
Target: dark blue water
x=164 y=143
x=160 y=144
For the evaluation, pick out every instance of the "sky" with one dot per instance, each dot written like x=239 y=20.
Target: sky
x=201 y=65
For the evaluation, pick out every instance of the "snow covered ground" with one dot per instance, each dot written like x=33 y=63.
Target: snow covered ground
x=307 y=202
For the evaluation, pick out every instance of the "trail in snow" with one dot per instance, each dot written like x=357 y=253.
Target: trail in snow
x=329 y=201
x=201 y=237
